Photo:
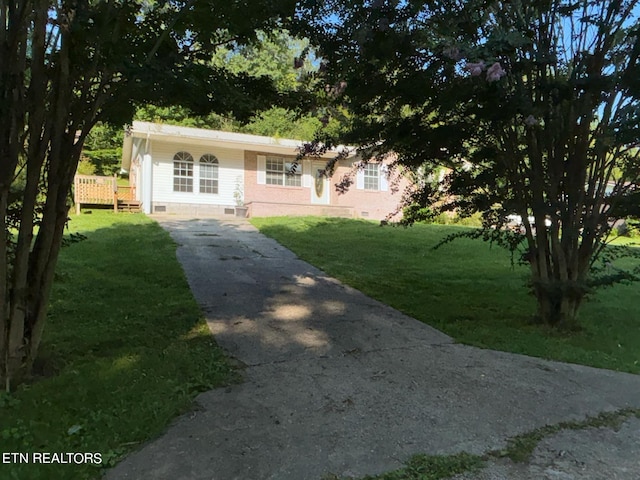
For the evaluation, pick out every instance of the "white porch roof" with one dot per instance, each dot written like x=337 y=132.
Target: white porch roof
x=189 y=135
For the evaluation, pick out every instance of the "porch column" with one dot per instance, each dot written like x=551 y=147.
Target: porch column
x=147 y=182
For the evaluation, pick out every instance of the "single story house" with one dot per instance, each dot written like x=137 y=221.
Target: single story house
x=196 y=171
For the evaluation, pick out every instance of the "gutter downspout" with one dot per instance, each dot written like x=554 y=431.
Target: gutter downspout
x=147 y=175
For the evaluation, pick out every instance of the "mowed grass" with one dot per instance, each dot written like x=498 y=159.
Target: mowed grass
x=125 y=350
x=468 y=289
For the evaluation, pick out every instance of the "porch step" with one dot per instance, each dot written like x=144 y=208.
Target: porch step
x=129 y=206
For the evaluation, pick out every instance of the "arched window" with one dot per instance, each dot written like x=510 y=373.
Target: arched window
x=208 y=173
x=182 y=172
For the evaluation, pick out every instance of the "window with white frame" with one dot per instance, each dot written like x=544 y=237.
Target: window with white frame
x=371 y=175
x=209 y=174
x=278 y=172
x=182 y=172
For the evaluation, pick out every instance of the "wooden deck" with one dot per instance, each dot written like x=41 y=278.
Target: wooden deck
x=98 y=190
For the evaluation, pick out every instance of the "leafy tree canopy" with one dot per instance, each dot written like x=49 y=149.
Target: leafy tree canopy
x=66 y=65
x=283 y=123
x=272 y=56
x=532 y=106
x=102 y=152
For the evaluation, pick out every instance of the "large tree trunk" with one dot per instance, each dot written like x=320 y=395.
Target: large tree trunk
x=64 y=65
x=39 y=141
x=32 y=272
x=557 y=272
x=558 y=303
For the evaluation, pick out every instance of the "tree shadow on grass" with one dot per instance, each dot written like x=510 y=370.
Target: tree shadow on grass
x=125 y=350
x=467 y=289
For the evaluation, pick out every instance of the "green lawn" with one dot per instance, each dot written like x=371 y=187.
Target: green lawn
x=467 y=289
x=125 y=350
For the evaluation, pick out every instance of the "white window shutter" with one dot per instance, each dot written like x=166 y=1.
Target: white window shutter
x=306 y=173
x=384 y=178
x=262 y=169
x=360 y=179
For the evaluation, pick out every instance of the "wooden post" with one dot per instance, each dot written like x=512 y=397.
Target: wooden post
x=115 y=193
x=76 y=196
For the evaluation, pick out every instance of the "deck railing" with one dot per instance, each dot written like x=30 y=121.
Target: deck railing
x=99 y=190
x=126 y=193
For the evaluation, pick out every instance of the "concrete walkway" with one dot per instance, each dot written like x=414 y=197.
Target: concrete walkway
x=338 y=383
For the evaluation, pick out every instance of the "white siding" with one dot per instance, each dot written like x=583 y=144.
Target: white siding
x=230 y=172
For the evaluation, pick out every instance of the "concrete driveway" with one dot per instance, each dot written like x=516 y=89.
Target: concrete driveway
x=338 y=383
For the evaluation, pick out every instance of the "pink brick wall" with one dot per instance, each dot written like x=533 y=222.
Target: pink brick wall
x=267 y=209
x=253 y=192
x=369 y=203
x=271 y=200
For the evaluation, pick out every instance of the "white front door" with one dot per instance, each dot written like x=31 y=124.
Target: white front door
x=319 y=184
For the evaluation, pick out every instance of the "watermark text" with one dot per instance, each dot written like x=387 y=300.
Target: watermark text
x=71 y=458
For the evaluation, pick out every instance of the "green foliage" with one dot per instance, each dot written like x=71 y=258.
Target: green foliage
x=238 y=192
x=182 y=116
x=272 y=56
x=632 y=228
x=418 y=213
x=431 y=467
x=282 y=123
x=121 y=357
x=102 y=151
x=615 y=264
x=73 y=237
x=528 y=119
x=521 y=447
x=86 y=167
x=510 y=240
x=275 y=56
x=474 y=220
x=67 y=67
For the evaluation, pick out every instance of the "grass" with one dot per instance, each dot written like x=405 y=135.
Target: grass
x=428 y=467
x=467 y=289
x=125 y=350
x=520 y=448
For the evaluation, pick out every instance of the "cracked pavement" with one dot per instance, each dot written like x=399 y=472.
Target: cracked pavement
x=338 y=383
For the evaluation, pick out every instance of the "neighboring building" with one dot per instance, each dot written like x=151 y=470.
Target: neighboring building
x=205 y=172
